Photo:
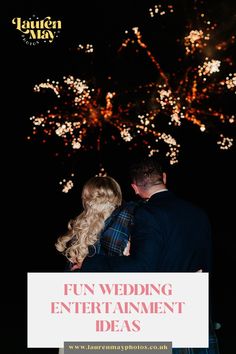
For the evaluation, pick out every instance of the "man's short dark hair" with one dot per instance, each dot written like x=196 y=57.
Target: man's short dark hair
x=147 y=172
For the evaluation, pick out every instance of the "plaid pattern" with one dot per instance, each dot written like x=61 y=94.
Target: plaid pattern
x=117 y=230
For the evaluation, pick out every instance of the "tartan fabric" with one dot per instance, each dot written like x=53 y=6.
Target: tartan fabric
x=117 y=230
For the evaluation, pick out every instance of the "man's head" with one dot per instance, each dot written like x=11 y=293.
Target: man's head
x=147 y=177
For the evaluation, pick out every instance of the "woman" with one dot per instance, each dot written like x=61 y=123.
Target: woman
x=103 y=227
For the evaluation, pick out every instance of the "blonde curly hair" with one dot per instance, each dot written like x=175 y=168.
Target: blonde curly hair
x=100 y=197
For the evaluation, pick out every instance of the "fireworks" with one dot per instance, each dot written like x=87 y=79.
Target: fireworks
x=67 y=185
x=80 y=117
x=186 y=99
x=86 y=117
x=160 y=9
x=86 y=48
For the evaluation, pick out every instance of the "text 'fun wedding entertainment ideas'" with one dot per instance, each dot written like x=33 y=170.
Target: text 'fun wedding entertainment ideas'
x=119 y=307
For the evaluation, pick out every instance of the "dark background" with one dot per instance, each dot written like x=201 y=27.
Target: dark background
x=36 y=212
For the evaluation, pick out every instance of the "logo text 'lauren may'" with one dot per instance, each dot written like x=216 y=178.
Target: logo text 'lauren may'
x=36 y=30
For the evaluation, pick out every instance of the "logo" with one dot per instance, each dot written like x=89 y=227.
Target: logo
x=35 y=30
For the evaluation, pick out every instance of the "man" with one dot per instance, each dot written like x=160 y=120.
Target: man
x=169 y=235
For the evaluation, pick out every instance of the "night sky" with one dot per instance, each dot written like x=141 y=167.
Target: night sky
x=36 y=210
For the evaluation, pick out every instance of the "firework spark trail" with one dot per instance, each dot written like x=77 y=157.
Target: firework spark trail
x=153 y=59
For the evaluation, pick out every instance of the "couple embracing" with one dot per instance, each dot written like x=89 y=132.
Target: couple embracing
x=161 y=233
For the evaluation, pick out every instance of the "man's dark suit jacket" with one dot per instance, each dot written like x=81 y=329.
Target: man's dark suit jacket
x=169 y=235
